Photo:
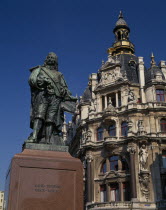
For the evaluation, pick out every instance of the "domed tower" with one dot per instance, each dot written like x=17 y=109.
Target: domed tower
x=122 y=43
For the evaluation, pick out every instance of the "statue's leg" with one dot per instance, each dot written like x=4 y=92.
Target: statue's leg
x=49 y=130
x=36 y=128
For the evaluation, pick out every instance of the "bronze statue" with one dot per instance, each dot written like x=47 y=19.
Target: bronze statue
x=50 y=97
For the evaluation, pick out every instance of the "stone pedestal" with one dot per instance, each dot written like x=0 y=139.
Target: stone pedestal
x=44 y=180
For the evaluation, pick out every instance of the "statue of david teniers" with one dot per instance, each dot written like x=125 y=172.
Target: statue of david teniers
x=50 y=97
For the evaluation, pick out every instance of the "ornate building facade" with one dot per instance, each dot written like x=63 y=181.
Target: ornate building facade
x=119 y=130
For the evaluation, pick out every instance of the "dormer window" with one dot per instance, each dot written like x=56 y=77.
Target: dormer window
x=160 y=96
x=158 y=76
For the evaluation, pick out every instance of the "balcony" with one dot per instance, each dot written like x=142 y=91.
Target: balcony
x=124 y=205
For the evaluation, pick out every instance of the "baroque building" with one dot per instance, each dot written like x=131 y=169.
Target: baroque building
x=119 y=130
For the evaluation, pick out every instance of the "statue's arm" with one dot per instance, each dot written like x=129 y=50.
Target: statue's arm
x=67 y=93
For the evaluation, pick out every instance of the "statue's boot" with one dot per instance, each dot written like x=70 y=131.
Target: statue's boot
x=36 y=128
x=49 y=129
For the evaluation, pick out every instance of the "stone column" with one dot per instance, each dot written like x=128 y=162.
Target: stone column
x=141 y=78
x=89 y=160
x=106 y=103
x=108 y=164
x=108 y=192
x=121 y=191
x=117 y=102
x=131 y=149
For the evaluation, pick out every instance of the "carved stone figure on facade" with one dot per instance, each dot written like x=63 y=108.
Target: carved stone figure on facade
x=50 y=97
x=92 y=108
x=131 y=96
x=110 y=106
x=143 y=153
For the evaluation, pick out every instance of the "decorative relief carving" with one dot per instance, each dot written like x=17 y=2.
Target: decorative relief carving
x=131 y=96
x=141 y=130
x=110 y=77
x=86 y=135
x=144 y=179
x=89 y=158
x=131 y=149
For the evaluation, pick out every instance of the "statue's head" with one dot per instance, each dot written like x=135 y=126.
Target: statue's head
x=51 y=60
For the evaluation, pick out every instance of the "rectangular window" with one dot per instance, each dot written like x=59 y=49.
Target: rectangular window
x=114 y=188
x=126 y=191
x=103 y=193
x=160 y=95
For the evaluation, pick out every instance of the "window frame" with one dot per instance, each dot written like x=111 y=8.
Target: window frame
x=160 y=97
x=163 y=125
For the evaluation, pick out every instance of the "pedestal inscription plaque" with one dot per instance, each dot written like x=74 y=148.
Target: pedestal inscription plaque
x=44 y=180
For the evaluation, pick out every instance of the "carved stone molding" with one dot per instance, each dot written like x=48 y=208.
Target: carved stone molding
x=89 y=158
x=131 y=149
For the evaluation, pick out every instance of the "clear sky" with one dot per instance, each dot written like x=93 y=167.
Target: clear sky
x=79 y=32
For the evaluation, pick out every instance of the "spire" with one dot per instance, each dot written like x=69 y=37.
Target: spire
x=120 y=15
x=153 y=63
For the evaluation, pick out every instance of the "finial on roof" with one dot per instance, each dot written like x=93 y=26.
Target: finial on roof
x=121 y=21
x=153 y=63
x=120 y=15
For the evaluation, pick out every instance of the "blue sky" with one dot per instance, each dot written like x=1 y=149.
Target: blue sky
x=79 y=32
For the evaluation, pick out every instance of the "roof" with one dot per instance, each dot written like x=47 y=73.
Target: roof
x=129 y=67
x=151 y=73
x=87 y=96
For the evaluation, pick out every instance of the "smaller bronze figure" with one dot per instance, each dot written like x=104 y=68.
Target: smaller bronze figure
x=50 y=97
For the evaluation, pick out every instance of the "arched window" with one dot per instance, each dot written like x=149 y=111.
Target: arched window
x=103 y=168
x=124 y=128
x=163 y=125
x=112 y=129
x=160 y=95
x=99 y=134
x=114 y=163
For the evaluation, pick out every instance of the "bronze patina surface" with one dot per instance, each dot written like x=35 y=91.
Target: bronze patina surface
x=50 y=97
